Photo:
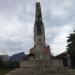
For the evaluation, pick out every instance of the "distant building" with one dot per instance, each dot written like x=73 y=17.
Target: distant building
x=4 y=57
x=65 y=57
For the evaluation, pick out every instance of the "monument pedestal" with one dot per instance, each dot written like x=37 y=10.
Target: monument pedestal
x=42 y=67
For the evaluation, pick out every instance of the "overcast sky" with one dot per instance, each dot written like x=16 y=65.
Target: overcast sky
x=17 y=21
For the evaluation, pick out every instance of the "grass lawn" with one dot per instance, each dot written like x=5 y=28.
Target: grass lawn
x=4 y=71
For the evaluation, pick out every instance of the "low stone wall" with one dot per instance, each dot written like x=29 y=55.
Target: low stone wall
x=57 y=62
x=26 y=64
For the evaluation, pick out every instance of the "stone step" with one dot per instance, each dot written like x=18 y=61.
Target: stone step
x=22 y=71
x=31 y=71
x=6 y=74
x=54 y=74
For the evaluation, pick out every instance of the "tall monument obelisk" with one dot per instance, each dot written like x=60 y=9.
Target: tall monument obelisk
x=39 y=34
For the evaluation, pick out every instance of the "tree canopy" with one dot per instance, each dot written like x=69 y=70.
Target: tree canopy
x=71 y=48
x=71 y=43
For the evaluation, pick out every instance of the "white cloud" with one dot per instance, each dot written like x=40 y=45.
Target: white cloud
x=59 y=43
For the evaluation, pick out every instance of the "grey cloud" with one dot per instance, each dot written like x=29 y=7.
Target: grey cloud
x=17 y=21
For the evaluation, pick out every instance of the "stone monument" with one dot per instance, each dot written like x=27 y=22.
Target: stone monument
x=39 y=60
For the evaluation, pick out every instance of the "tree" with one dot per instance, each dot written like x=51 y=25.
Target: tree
x=71 y=48
x=0 y=62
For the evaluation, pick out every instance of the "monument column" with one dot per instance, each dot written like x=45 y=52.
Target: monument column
x=39 y=34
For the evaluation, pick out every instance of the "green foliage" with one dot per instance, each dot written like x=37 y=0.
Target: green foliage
x=71 y=43
x=4 y=71
x=71 y=48
x=9 y=64
x=6 y=67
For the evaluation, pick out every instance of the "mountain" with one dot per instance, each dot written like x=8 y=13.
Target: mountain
x=18 y=57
